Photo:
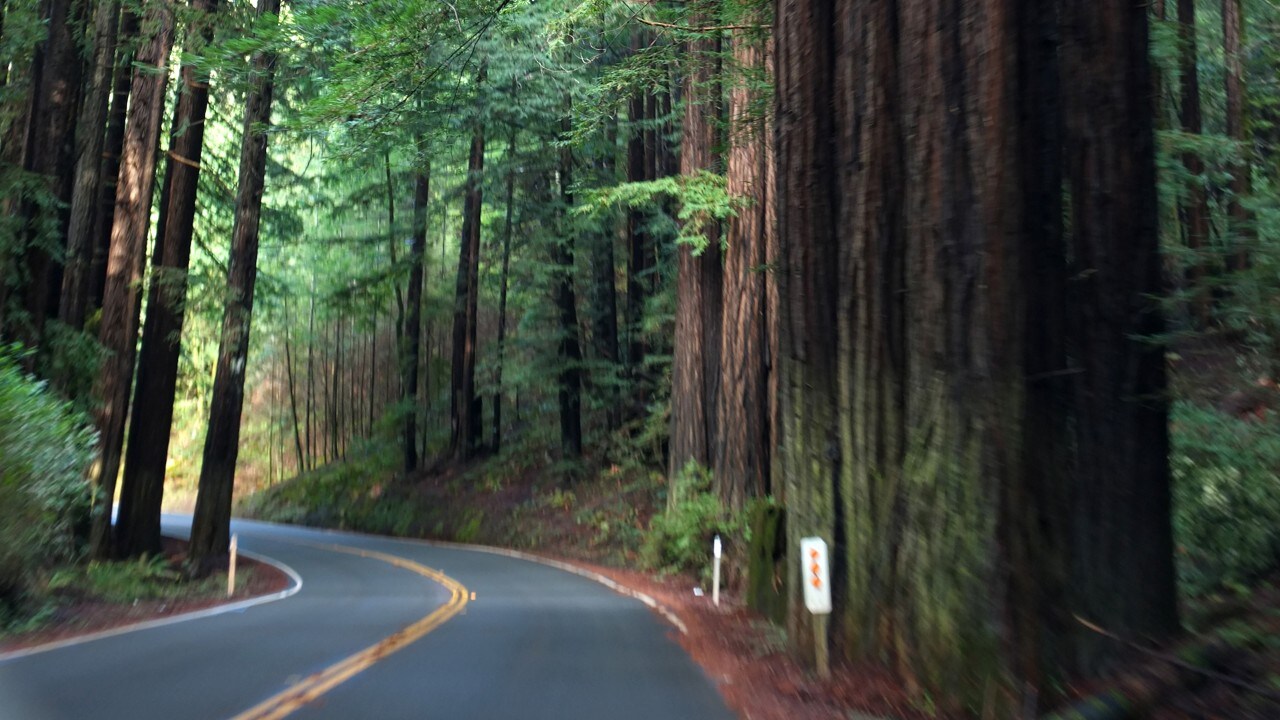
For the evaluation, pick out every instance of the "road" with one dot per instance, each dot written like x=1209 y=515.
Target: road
x=536 y=642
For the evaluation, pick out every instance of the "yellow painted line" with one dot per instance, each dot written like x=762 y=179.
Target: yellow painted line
x=310 y=688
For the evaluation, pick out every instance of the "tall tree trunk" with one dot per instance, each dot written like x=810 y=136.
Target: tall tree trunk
x=1122 y=574
x=502 y=290
x=742 y=453
x=88 y=164
x=570 y=356
x=293 y=394
x=211 y=528
x=50 y=154
x=56 y=71
x=1238 y=130
x=695 y=367
x=639 y=243
x=121 y=299
x=604 y=303
x=112 y=148
x=464 y=415
x=138 y=531
x=412 y=348
x=1195 y=210
x=311 y=375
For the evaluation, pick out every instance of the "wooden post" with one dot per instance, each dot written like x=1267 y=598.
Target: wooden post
x=231 y=569
x=820 y=646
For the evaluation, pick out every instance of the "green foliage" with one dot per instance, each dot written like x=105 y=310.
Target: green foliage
x=679 y=540
x=1226 y=513
x=45 y=449
x=146 y=578
x=355 y=494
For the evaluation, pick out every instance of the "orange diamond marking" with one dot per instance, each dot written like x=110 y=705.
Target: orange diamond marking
x=817 y=583
x=814 y=568
x=813 y=553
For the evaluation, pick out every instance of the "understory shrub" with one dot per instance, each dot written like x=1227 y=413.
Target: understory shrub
x=1226 y=498
x=45 y=451
x=679 y=539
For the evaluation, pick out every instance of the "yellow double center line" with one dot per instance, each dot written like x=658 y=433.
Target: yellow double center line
x=312 y=687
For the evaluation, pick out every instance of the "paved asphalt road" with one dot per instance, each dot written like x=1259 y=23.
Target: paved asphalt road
x=535 y=643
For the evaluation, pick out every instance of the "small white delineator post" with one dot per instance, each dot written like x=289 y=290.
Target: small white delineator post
x=231 y=569
x=817 y=596
x=715 y=572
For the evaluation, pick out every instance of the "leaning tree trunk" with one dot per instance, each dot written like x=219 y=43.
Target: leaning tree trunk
x=121 y=300
x=211 y=528
x=146 y=458
x=695 y=366
x=88 y=165
x=742 y=453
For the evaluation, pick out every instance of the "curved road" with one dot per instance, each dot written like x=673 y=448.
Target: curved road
x=535 y=643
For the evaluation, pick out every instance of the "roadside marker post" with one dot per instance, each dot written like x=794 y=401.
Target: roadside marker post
x=715 y=573
x=817 y=596
x=231 y=569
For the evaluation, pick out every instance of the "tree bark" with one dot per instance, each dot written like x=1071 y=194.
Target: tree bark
x=1195 y=210
x=293 y=395
x=211 y=527
x=465 y=436
x=1122 y=574
x=121 y=299
x=502 y=290
x=1238 y=130
x=695 y=367
x=742 y=450
x=50 y=154
x=113 y=144
x=412 y=350
x=88 y=165
x=570 y=355
x=639 y=250
x=138 y=528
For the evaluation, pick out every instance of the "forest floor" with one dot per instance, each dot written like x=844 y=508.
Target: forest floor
x=93 y=601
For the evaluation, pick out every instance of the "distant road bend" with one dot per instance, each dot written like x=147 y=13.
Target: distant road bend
x=380 y=629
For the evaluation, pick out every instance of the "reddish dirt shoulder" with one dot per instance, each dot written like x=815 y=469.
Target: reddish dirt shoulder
x=85 y=616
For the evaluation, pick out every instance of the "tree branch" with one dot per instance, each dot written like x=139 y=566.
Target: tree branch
x=715 y=28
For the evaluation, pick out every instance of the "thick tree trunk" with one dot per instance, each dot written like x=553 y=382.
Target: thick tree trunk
x=465 y=436
x=112 y=148
x=502 y=290
x=957 y=433
x=88 y=165
x=121 y=296
x=413 y=332
x=211 y=528
x=695 y=367
x=570 y=356
x=807 y=286
x=1195 y=210
x=50 y=154
x=742 y=451
x=1122 y=574
x=146 y=459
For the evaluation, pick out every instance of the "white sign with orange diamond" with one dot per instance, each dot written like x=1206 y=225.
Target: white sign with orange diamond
x=817 y=580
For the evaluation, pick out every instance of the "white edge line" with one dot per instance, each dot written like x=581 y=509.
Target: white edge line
x=613 y=585
x=173 y=619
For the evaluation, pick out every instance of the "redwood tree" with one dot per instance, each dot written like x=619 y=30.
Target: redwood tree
x=121 y=302
x=695 y=367
x=211 y=528
x=146 y=458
